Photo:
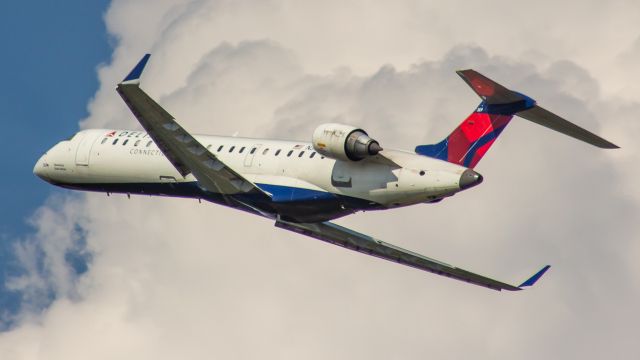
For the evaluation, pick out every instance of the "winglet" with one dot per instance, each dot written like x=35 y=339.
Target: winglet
x=532 y=280
x=134 y=75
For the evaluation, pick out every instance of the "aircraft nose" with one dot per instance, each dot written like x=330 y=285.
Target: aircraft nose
x=469 y=178
x=41 y=168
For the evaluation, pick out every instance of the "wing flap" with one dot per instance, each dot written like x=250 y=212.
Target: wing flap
x=347 y=238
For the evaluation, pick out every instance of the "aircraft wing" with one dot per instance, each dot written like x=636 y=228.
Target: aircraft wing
x=353 y=240
x=185 y=153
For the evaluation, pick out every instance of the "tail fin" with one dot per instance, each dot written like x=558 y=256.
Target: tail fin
x=468 y=143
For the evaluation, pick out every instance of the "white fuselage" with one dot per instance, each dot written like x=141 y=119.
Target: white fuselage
x=130 y=162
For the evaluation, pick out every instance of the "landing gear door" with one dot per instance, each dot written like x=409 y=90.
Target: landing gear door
x=83 y=152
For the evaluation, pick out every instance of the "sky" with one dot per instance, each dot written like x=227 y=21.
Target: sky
x=52 y=53
x=90 y=276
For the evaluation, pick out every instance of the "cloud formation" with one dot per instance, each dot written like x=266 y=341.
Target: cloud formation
x=174 y=278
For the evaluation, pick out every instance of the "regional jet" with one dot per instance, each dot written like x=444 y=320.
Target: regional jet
x=301 y=186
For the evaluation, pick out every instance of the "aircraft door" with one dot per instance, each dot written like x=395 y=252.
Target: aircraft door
x=83 y=152
x=248 y=159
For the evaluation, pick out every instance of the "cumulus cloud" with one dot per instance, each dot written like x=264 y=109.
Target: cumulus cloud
x=174 y=278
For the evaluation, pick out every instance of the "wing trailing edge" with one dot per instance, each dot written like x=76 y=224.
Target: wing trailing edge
x=350 y=239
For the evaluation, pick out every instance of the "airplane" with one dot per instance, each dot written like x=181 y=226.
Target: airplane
x=302 y=186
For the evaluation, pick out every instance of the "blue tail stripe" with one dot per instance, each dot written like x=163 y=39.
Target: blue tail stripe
x=438 y=151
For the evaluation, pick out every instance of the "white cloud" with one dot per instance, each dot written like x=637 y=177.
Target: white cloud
x=173 y=278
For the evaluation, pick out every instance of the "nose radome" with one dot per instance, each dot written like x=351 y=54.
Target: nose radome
x=469 y=178
x=40 y=169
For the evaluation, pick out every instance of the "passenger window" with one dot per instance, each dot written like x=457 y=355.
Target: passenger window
x=301 y=153
x=253 y=150
x=312 y=155
x=241 y=150
x=149 y=143
x=265 y=151
x=277 y=152
x=136 y=143
x=114 y=142
x=104 y=140
x=289 y=153
x=125 y=142
x=231 y=149
x=208 y=146
x=220 y=148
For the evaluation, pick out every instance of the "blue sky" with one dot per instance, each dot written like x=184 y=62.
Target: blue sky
x=49 y=60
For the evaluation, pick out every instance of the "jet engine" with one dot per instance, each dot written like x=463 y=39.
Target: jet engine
x=344 y=142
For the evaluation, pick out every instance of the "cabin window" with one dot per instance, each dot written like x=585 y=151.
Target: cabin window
x=321 y=157
x=231 y=149
x=241 y=150
x=253 y=150
x=301 y=153
x=208 y=146
x=125 y=142
x=114 y=142
x=149 y=143
x=136 y=143
x=220 y=148
x=422 y=172
x=290 y=152
x=312 y=155
x=104 y=140
x=277 y=152
x=265 y=151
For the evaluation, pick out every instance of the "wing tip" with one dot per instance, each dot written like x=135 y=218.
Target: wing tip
x=533 y=279
x=134 y=75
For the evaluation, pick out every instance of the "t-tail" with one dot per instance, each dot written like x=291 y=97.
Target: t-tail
x=471 y=140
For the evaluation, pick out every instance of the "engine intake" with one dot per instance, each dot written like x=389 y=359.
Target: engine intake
x=344 y=142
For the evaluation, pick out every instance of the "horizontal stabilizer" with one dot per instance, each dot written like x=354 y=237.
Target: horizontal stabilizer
x=546 y=118
x=489 y=91
x=532 y=280
x=498 y=100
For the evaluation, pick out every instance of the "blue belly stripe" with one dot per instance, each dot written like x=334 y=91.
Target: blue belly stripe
x=282 y=193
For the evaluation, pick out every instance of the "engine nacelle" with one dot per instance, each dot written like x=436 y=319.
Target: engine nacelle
x=344 y=142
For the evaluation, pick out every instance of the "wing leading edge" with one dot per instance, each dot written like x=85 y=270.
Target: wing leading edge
x=365 y=244
x=186 y=154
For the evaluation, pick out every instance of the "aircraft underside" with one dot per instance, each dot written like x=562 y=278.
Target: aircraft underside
x=298 y=211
